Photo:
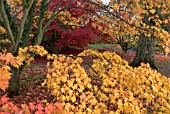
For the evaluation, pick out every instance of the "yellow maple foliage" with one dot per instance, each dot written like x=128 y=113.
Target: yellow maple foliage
x=133 y=18
x=126 y=90
x=24 y=54
x=2 y=30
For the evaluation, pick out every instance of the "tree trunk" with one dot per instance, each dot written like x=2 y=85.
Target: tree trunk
x=14 y=85
x=145 y=52
x=124 y=47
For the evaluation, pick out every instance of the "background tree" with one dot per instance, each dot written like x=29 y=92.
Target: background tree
x=70 y=30
x=144 y=19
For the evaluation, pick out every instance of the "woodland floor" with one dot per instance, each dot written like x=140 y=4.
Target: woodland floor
x=33 y=76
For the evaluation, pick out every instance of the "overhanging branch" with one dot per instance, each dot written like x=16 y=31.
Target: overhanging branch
x=103 y=7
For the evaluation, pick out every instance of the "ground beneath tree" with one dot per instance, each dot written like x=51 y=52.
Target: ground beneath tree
x=33 y=76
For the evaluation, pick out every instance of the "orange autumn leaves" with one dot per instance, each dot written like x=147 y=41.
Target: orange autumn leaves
x=7 y=60
x=7 y=107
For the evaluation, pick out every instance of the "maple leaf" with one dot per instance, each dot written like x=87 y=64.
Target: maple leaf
x=116 y=6
x=2 y=56
x=32 y=106
x=59 y=106
x=4 y=77
x=49 y=108
x=152 y=11
x=4 y=99
x=8 y=58
x=2 y=30
x=39 y=106
x=39 y=112
x=15 y=108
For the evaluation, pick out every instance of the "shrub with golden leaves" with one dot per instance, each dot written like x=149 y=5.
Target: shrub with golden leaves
x=115 y=88
x=25 y=54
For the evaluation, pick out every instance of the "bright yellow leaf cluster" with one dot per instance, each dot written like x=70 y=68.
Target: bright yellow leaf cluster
x=115 y=88
x=64 y=17
x=25 y=54
x=70 y=83
x=69 y=20
x=162 y=39
x=2 y=30
x=14 y=3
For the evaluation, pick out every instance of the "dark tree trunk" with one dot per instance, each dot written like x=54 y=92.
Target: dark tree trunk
x=124 y=47
x=145 y=52
x=14 y=85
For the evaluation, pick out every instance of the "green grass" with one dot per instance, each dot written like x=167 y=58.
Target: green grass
x=102 y=46
x=32 y=65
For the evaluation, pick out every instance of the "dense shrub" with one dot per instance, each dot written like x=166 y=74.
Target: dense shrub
x=110 y=85
x=96 y=83
x=59 y=38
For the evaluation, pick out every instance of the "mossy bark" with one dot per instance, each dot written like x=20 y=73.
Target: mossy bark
x=145 y=52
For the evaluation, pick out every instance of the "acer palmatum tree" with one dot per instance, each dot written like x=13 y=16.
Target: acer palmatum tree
x=144 y=19
x=74 y=27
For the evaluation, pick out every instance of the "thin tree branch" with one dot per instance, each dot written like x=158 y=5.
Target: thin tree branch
x=74 y=57
x=24 y=18
x=54 y=14
x=6 y=22
x=103 y=7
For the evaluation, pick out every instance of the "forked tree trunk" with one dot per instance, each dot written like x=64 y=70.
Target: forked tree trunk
x=145 y=52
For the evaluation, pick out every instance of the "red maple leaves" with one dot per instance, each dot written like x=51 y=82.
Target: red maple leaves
x=78 y=38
